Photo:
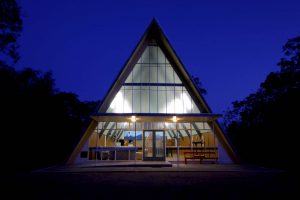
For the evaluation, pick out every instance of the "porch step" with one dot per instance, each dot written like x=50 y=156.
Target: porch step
x=130 y=164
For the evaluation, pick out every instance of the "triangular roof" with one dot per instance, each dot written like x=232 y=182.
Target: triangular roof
x=154 y=32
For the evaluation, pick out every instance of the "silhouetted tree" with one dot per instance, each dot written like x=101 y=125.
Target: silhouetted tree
x=199 y=85
x=264 y=126
x=40 y=125
x=10 y=28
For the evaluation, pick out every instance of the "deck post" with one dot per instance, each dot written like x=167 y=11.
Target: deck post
x=177 y=135
x=96 y=153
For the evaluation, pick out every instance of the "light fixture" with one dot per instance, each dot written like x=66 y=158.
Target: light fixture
x=133 y=118
x=174 y=119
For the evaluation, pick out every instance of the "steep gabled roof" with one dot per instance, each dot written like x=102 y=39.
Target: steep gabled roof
x=154 y=32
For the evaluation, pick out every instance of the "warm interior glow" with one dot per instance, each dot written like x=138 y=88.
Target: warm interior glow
x=187 y=103
x=180 y=105
x=133 y=118
x=119 y=104
x=174 y=119
x=163 y=98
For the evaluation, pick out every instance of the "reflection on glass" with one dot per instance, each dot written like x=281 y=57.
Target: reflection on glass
x=159 y=144
x=148 y=148
x=153 y=87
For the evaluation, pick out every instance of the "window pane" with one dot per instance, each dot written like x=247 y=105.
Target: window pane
x=199 y=125
x=136 y=103
x=161 y=73
x=169 y=75
x=159 y=144
x=186 y=125
x=153 y=99
x=128 y=101
x=178 y=102
x=172 y=88
x=136 y=77
x=161 y=88
x=161 y=56
x=178 y=88
x=153 y=54
x=148 y=142
x=170 y=101
x=144 y=99
x=162 y=100
x=186 y=102
x=153 y=74
x=145 y=56
x=145 y=74
x=194 y=133
x=116 y=105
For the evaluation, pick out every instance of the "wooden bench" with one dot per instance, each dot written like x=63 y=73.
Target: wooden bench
x=201 y=155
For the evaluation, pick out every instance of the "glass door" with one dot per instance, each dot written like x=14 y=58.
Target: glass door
x=154 y=145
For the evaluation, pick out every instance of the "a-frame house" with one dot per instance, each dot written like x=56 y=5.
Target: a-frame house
x=153 y=112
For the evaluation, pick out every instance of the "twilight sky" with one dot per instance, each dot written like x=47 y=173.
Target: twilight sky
x=230 y=45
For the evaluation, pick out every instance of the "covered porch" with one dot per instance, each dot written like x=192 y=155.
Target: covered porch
x=152 y=137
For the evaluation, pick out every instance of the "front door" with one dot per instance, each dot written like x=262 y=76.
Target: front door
x=154 y=145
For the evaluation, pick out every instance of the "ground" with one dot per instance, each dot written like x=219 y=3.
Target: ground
x=153 y=183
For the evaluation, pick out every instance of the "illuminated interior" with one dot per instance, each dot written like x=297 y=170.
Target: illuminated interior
x=153 y=112
x=153 y=87
x=178 y=136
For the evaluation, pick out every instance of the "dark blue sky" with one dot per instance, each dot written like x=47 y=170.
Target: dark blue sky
x=230 y=45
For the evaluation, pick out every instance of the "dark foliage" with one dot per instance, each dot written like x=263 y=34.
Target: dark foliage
x=10 y=28
x=39 y=125
x=199 y=85
x=264 y=126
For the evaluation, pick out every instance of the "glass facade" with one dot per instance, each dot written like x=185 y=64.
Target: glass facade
x=153 y=87
x=153 y=140
x=185 y=129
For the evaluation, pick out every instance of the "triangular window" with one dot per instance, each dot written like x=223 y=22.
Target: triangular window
x=153 y=87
